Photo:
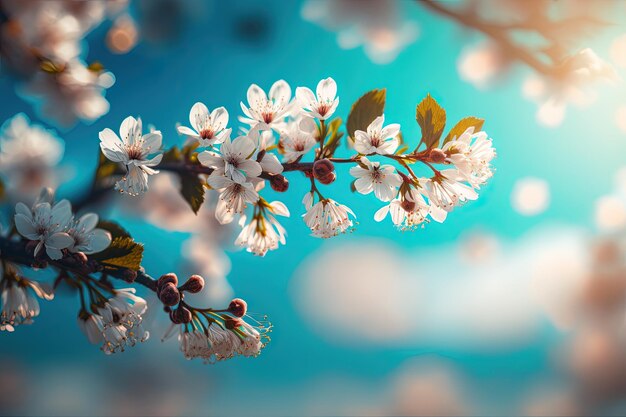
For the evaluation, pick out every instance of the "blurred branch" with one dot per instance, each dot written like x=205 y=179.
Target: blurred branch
x=498 y=33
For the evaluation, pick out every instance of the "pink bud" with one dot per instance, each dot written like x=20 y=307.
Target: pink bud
x=408 y=205
x=328 y=179
x=238 y=307
x=129 y=275
x=437 y=156
x=194 y=284
x=169 y=295
x=171 y=277
x=322 y=168
x=182 y=315
x=232 y=322
x=279 y=183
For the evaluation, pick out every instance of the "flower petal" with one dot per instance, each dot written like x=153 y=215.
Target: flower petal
x=280 y=92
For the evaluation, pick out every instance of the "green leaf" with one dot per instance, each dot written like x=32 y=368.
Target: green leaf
x=192 y=190
x=115 y=229
x=123 y=252
x=107 y=168
x=432 y=119
x=172 y=155
x=462 y=126
x=365 y=110
x=335 y=138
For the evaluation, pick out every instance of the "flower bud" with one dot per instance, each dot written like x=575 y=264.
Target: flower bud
x=408 y=205
x=129 y=275
x=174 y=317
x=279 y=183
x=169 y=295
x=182 y=315
x=331 y=177
x=40 y=264
x=81 y=257
x=238 y=307
x=194 y=284
x=171 y=277
x=437 y=156
x=322 y=169
x=31 y=245
x=232 y=322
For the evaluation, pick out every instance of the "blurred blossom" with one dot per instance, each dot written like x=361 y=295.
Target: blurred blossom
x=76 y=92
x=203 y=253
x=122 y=36
x=610 y=213
x=29 y=155
x=530 y=196
x=428 y=386
x=558 y=275
x=205 y=256
x=13 y=384
x=551 y=400
x=42 y=43
x=481 y=64
x=163 y=206
x=570 y=85
x=618 y=51
x=480 y=247
x=381 y=26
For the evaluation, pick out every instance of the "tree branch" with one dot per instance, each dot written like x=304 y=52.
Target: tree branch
x=16 y=251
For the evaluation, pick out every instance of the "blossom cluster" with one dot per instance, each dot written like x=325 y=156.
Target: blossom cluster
x=209 y=334
x=279 y=125
x=52 y=226
x=108 y=316
x=29 y=157
x=42 y=42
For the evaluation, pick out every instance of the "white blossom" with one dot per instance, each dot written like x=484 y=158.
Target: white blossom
x=298 y=139
x=19 y=300
x=264 y=232
x=233 y=161
x=45 y=223
x=92 y=326
x=371 y=176
x=377 y=139
x=408 y=211
x=263 y=141
x=87 y=238
x=445 y=191
x=234 y=197
x=267 y=110
x=326 y=218
x=471 y=153
x=323 y=103
x=132 y=150
x=122 y=321
x=209 y=127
